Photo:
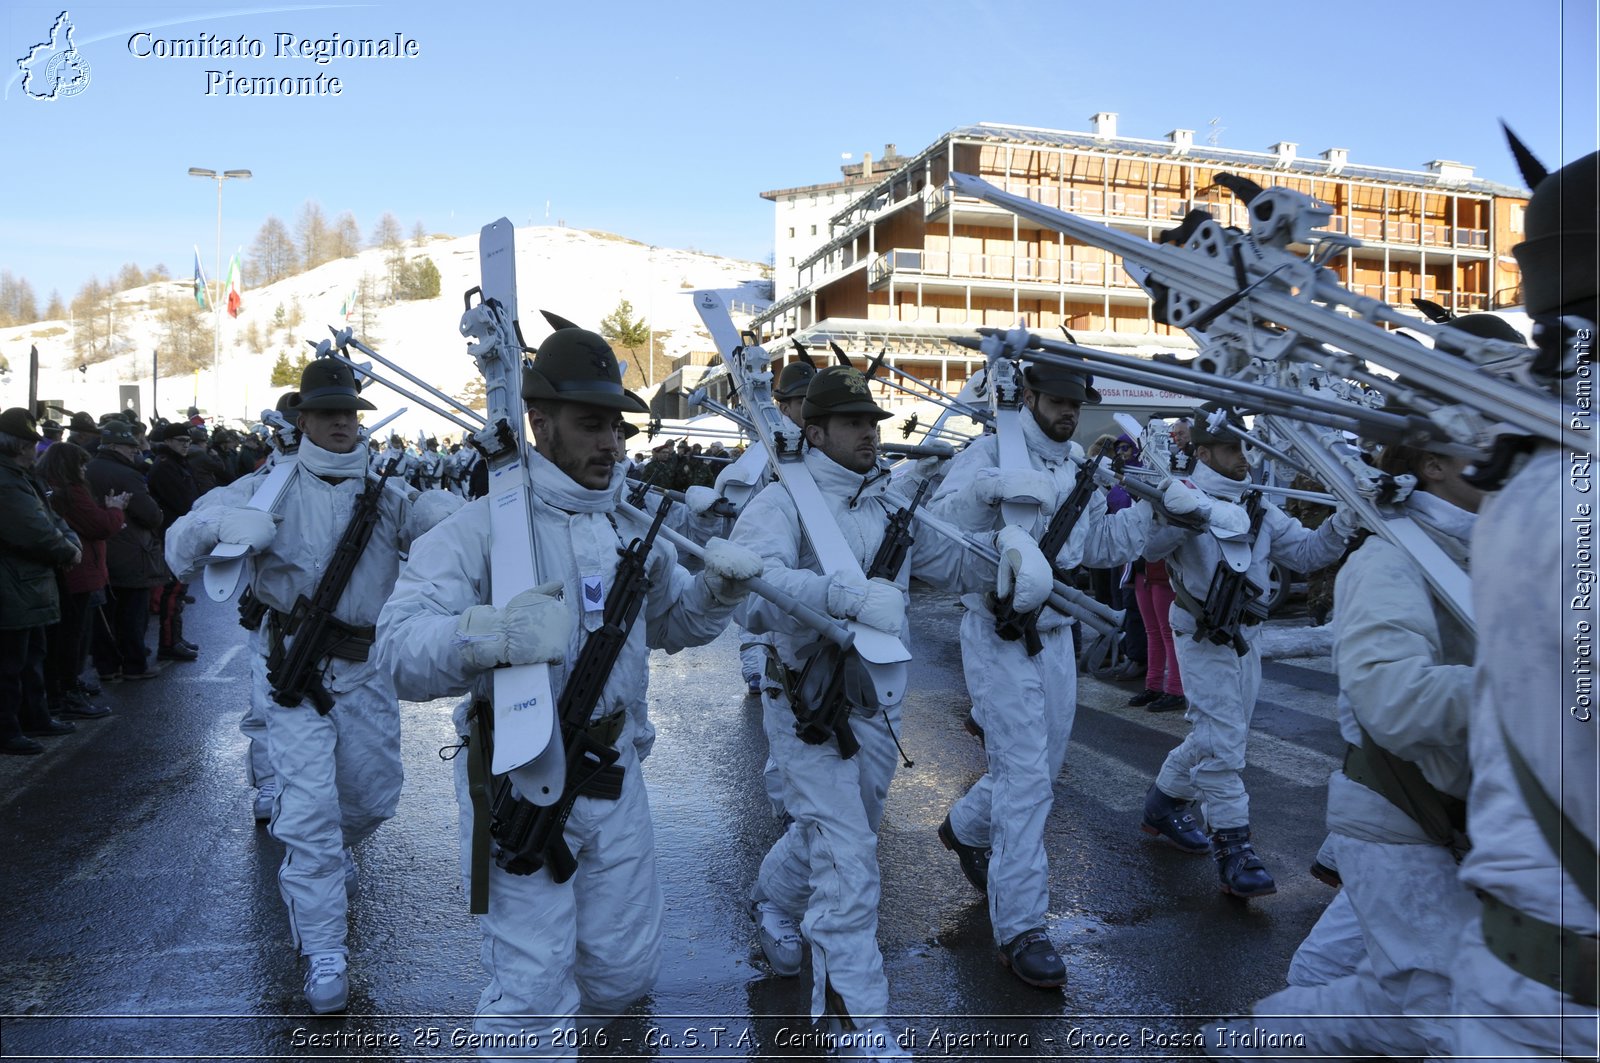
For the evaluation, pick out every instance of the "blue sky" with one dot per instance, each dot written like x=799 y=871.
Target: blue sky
x=664 y=121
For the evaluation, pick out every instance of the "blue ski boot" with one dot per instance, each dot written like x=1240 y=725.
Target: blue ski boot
x=1173 y=819
x=1243 y=874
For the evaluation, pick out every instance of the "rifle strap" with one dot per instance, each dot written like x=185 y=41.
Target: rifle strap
x=478 y=789
x=1441 y=817
x=1576 y=852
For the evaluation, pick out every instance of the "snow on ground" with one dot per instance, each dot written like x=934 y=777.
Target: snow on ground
x=578 y=274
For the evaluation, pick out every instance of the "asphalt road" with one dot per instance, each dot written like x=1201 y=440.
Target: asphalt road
x=143 y=918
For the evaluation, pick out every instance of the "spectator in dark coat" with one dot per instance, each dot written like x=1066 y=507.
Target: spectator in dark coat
x=84 y=432
x=133 y=559
x=34 y=542
x=63 y=470
x=173 y=486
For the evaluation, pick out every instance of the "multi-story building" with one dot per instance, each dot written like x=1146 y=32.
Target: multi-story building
x=805 y=214
x=907 y=264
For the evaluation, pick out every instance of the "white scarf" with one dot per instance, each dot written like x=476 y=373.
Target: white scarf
x=334 y=466
x=1217 y=485
x=555 y=488
x=1446 y=523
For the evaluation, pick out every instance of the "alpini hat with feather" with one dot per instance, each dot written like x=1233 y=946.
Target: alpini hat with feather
x=576 y=365
x=840 y=389
x=794 y=380
x=326 y=384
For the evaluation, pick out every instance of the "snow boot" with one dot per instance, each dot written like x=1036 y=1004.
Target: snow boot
x=974 y=861
x=1032 y=958
x=1242 y=872
x=1173 y=819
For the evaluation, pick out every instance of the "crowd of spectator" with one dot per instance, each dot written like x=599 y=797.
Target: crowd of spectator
x=82 y=571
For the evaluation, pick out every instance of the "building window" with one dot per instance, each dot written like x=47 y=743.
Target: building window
x=1516 y=218
x=791 y=262
x=791 y=232
x=813 y=230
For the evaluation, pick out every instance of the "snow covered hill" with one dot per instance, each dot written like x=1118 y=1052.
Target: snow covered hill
x=580 y=275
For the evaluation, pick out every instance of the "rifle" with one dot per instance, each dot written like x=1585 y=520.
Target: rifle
x=828 y=675
x=529 y=836
x=1012 y=625
x=295 y=675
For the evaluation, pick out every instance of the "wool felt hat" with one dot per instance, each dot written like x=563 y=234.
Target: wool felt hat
x=794 y=380
x=576 y=365
x=117 y=433
x=20 y=423
x=1060 y=382
x=840 y=389
x=326 y=384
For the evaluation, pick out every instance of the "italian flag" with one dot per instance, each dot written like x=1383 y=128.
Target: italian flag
x=235 y=295
x=199 y=282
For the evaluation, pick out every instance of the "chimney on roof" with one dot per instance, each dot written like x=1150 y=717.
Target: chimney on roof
x=866 y=165
x=888 y=151
x=1105 y=124
x=1450 y=172
x=1336 y=158
x=1182 y=140
x=1284 y=150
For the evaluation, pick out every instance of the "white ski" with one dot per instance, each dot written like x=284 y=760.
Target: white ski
x=1005 y=398
x=527 y=744
x=224 y=565
x=884 y=654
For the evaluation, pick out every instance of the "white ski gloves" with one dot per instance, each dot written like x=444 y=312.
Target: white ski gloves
x=533 y=628
x=993 y=486
x=728 y=568
x=1344 y=522
x=1181 y=499
x=1024 y=573
x=877 y=603
x=430 y=508
x=700 y=499
x=255 y=528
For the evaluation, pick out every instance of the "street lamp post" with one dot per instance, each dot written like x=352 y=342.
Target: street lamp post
x=216 y=302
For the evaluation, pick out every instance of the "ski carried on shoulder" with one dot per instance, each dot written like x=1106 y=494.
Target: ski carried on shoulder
x=527 y=744
x=884 y=655
x=224 y=565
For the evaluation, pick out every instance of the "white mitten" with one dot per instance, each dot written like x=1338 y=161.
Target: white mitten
x=884 y=607
x=877 y=603
x=428 y=509
x=255 y=528
x=533 y=628
x=1016 y=485
x=1181 y=499
x=700 y=499
x=1344 y=522
x=1024 y=574
x=728 y=568
x=846 y=592
x=1228 y=521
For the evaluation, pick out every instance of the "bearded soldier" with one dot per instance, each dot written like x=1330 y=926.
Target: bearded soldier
x=821 y=877
x=1025 y=701
x=590 y=943
x=333 y=730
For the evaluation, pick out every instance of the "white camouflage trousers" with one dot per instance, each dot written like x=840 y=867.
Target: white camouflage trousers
x=1221 y=688
x=823 y=871
x=1026 y=707
x=590 y=945
x=339 y=777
